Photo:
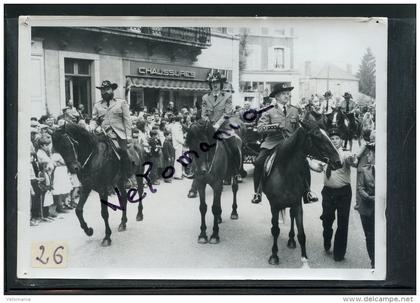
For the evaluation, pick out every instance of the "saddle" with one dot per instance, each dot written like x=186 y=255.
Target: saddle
x=268 y=164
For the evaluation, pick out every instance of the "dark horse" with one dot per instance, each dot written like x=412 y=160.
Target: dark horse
x=285 y=185
x=348 y=125
x=336 y=119
x=98 y=168
x=211 y=165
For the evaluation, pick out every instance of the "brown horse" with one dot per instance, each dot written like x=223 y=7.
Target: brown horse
x=98 y=167
x=212 y=164
x=285 y=184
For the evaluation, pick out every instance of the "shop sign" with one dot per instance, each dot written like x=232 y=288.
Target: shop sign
x=156 y=71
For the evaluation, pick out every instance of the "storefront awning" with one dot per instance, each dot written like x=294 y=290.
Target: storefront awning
x=167 y=84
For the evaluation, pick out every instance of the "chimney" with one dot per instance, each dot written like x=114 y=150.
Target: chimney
x=307 y=68
x=349 y=69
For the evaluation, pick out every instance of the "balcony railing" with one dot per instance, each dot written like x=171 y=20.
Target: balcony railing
x=194 y=36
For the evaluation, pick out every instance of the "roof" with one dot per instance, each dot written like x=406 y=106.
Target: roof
x=331 y=71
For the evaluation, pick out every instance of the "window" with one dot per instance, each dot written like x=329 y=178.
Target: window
x=78 y=82
x=279 y=58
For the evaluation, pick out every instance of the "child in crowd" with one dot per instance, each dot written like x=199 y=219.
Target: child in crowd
x=35 y=190
x=61 y=184
x=155 y=151
x=46 y=169
x=168 y=153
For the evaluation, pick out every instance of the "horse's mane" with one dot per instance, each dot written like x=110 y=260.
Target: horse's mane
x=287 y=149
x=80 y=132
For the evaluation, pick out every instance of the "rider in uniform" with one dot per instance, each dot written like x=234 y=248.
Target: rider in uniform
x=278 y=123
x=217 y=108
x=349 y=107
x=328 y=104
x=113 y=115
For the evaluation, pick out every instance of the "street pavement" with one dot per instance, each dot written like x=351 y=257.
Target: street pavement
x=167 y=237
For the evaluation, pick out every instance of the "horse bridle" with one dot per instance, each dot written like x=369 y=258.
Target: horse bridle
x=72 y=143
x=322 y=159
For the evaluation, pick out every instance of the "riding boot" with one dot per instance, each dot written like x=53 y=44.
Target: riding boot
x=234 y=155
x=125 y=162
x=258 y=174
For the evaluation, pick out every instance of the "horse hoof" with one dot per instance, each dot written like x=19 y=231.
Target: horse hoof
x=106 y=242
x=234 y=216
x=89 y=231
x=202 y=240
x=139 y=217
x=291 y=244
x=305 y=263
x=243 y=174
x=214 y=240
x=122 y=227
x=274 y=260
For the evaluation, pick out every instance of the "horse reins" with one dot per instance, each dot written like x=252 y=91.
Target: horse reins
x=72 y=142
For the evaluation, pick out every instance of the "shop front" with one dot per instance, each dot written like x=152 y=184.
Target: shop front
x=154 y=85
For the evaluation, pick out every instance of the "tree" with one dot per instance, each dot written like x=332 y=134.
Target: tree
x=367 y=74
x=243 y=51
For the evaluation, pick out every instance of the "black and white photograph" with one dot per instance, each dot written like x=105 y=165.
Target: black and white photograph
x=202 y=148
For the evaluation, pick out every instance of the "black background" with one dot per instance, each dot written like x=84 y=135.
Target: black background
x=401 y=178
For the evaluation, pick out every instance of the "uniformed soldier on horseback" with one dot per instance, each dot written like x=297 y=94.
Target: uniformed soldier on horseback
x=217 y=108
x=348 y=106
x=113 y=115
x=278 y=123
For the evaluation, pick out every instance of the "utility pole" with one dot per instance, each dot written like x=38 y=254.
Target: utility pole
x=328 y=77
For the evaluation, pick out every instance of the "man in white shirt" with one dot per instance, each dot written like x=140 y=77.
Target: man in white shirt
x=336 y=197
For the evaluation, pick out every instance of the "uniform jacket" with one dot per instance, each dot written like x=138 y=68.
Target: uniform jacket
x=215 y=108
x=116 y=116
x=366 y=188
x=352 y=105
x=287 y=124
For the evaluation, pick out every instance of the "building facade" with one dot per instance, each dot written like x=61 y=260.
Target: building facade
x=151 y=65
x=268 y=60
x=319 y=79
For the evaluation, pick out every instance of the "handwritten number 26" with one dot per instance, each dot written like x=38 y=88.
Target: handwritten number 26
x=57 y=257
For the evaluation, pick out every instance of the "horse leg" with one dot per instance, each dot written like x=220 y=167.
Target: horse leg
x=275 y=231
x=105 y=215
x=217 y=213
x=202 y=238
x=301 y=234
x=234 y=214
x=123 y=205
x=140 y=189
x=79 y=210
x=292 y=243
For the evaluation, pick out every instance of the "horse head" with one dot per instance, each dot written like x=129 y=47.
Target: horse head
x=68 y=141
x=200 y=132
x=319 y=146
x=338 y=119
